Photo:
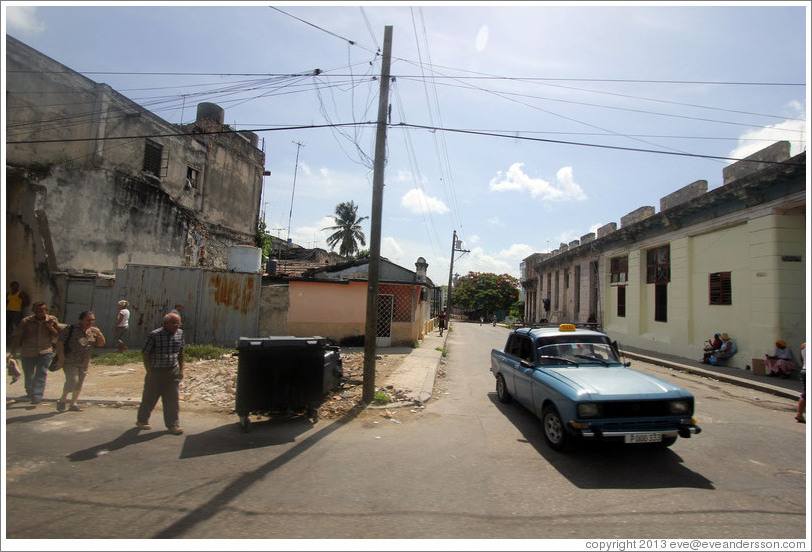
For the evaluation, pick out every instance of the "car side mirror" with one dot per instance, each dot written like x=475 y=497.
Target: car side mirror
x=526 y=364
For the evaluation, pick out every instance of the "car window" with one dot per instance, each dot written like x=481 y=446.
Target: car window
x=576 y=352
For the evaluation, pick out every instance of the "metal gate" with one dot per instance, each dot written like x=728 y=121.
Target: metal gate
x=386 y=304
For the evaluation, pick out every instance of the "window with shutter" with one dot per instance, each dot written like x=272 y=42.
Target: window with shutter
x=720 y=289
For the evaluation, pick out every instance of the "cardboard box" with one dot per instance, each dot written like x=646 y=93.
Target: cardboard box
x=759 y=368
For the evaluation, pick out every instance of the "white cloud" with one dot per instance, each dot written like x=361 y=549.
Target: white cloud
x=391 y=249
x=479 y=261
x=515 y=179
x=23 y=19
x=495 y=221
x=516 y=252
x=792 y=130
x=474 y=239
x=417 y=201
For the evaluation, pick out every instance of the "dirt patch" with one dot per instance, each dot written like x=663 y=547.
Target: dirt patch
x=212 y=384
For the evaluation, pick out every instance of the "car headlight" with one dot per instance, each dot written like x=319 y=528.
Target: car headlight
x=588 y=410
x=679 y=407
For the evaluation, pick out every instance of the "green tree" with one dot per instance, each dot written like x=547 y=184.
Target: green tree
x=485 y=292
x=263 y=239
x=347 y=230
x=517 y=309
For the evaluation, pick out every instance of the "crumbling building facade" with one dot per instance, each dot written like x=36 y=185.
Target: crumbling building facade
x=95 y=182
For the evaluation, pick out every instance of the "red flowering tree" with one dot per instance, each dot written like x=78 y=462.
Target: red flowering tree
x=485 y=292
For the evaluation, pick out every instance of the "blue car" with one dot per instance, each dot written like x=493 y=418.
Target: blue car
x=575 y=382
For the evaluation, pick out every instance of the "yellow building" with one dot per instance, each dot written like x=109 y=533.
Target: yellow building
x=731 y=260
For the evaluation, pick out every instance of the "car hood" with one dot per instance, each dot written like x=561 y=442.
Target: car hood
x=615 y=383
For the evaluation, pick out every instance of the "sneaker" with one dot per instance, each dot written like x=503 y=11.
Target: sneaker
x=175 y=430
x=143 y=425
x=61 y=406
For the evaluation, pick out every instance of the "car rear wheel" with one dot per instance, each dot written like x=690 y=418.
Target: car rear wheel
x=554 y=431
x=501 y=390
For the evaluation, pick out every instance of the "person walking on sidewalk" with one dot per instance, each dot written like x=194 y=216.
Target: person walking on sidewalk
x=442 y=322
x=74 y=348
x=33 y=339
x=122 y=325
x=163 y=360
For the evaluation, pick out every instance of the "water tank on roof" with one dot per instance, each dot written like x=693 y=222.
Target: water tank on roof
x=210 y=111
x=244 y=258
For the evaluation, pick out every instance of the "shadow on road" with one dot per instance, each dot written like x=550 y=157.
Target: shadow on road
x=594 y=465
x=32 y=418
x=130 y=437
x=245 y=481
x=230 y=438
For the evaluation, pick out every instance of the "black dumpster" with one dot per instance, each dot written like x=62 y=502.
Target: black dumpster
x=285 y=374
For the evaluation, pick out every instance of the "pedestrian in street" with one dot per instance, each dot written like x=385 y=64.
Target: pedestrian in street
x=122 y=325
x=33 y=340
x=178 y=309
x=163 y=361
x=74 y=348
x=800 y=415
x=441 y=322
x=781 y=362
x=16 y=302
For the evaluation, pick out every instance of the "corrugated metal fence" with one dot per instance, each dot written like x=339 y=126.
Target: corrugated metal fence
x=219 y=307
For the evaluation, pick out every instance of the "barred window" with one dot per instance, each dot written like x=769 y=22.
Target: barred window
x=619 y=268
x=720 y=289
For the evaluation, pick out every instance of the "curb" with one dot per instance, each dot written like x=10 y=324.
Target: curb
x=741 y=382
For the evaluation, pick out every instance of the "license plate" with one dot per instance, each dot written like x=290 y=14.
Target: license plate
x=644 y=438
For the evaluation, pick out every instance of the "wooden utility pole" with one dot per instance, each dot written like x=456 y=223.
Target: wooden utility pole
x=371 y=331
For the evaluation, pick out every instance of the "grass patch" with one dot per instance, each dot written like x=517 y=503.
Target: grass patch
x=134 y=356
x=442 y=350
x=380 y=398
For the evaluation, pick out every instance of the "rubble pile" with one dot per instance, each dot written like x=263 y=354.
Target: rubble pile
x=213 y=383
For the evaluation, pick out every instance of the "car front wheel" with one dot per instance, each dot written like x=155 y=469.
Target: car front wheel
x=554 y=431
x=501 y=390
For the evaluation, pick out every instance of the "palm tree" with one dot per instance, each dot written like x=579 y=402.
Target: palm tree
x=347 y=229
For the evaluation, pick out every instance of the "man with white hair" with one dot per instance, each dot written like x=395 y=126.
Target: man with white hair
x=163 y=360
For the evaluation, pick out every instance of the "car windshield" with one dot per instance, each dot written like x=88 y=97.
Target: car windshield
x=576 y=352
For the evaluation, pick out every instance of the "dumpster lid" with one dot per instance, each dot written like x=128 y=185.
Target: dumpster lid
x=281 y=341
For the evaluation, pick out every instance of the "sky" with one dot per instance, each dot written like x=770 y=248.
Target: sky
x=518 y=125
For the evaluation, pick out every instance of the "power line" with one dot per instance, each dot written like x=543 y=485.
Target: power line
x=403 y=126
x=547 y=140
x=478 y=76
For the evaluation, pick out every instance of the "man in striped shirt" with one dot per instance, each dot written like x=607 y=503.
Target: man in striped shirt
x=163 y=360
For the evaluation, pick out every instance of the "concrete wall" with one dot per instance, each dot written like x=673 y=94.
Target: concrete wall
x=334 y=310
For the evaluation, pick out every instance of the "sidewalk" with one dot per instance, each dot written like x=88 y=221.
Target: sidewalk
x=417 y=371
x=789 y=388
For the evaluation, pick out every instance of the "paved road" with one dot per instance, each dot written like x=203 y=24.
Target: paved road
x=465 y=466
